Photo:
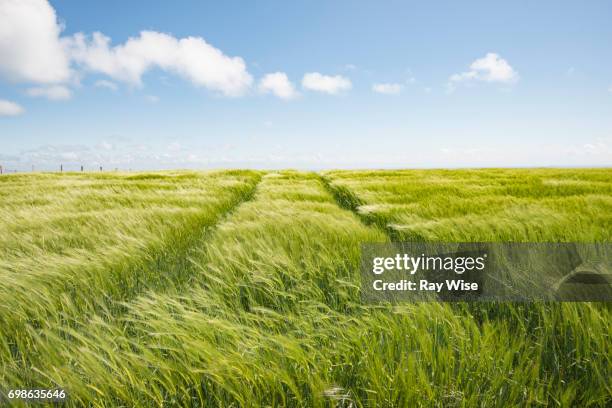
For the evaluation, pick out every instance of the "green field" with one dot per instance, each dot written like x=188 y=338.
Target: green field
x=242 y=288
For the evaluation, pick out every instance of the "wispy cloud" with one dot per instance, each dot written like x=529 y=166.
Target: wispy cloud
x=314 y=81
x=598 y=147
x=597 y=152
x=8 y=108
x=103 y=83
x=127 y=154
x=387 y=88
x=53 y=92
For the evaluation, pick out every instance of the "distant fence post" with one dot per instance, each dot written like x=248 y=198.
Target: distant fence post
x=0 y=169
x=61 y=168
x=81 y=169
x=100 y=168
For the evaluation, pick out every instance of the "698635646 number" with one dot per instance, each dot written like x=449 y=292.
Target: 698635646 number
x=37 y=395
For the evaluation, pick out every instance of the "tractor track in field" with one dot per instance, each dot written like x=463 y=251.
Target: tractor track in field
x=180 y=266
x=176 y=265
x=348 y=200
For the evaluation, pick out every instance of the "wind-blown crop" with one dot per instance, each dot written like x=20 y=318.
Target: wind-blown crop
x=257 y=302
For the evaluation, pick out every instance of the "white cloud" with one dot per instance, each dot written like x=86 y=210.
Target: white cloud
x=600 y=146
x=490 y=68
x=152 y=98
x=387 y=89
x=278 y=84
x=103 y=83
x=314 y=81
x=54 y=92
x=32 y=50
x=30 y=46
x=610 y=89
x=8 y=108
x=493 y=68
x=191 y=58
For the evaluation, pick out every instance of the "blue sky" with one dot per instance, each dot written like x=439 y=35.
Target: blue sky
x=315 y=84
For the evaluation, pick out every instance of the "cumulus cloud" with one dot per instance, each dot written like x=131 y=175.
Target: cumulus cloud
x=191 y=58
x=152 y=98
x=490 y=68
x=278 y=84
x=54 y=92
x=103 y=83
x=317 y=82
x=31 y=49
x=8 y=108
x=387 y=88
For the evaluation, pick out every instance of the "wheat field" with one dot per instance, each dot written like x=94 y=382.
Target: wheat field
x=242 y=288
